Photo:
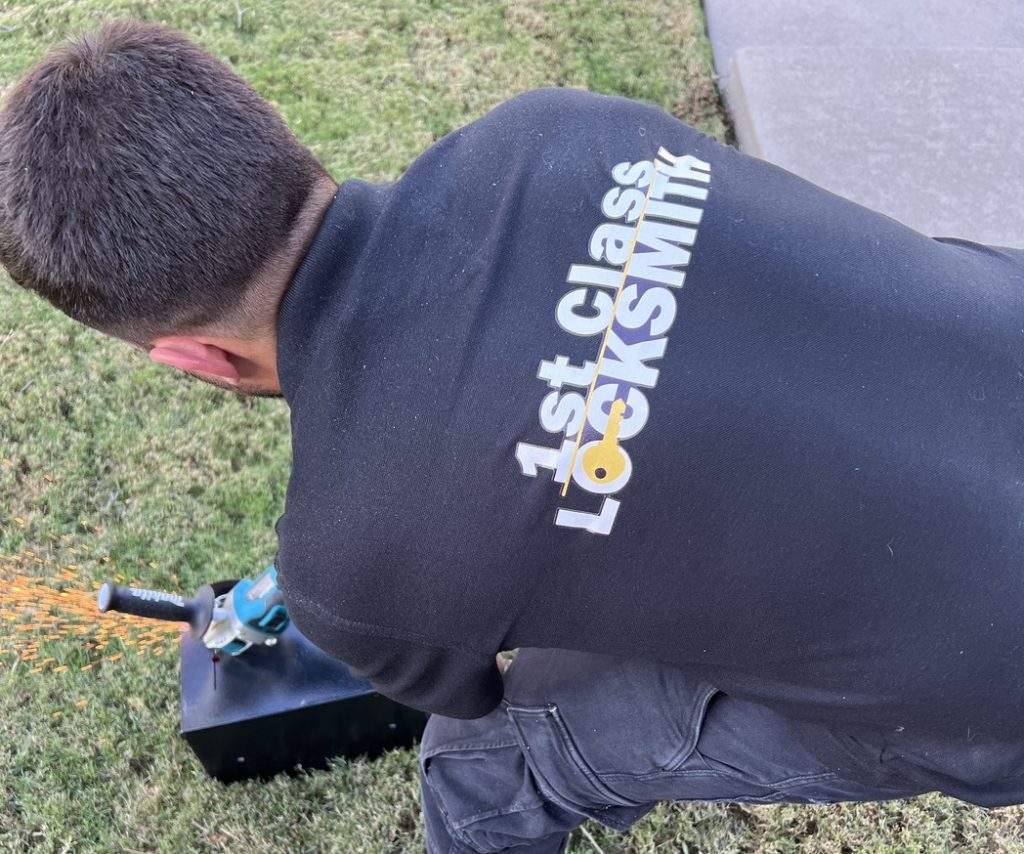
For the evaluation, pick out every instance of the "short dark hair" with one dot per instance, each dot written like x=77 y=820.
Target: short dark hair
x=143 y=183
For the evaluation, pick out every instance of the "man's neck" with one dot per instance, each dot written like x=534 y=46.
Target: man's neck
x=273 y=280
x=257 y=361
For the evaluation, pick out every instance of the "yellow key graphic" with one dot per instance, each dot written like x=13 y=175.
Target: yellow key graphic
x=605 y=461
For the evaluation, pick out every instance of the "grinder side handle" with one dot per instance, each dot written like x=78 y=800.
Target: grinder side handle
x=158 y=605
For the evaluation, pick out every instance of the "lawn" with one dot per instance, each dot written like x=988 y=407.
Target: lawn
x=112 y=466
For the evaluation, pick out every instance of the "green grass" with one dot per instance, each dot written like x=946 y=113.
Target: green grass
x=175 y=483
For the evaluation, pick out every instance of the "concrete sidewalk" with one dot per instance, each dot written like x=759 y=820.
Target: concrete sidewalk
x=912 y=107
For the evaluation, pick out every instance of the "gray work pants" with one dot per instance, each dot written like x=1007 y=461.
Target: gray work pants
x=584 y=736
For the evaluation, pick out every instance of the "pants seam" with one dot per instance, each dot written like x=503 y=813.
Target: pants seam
x=515 y=807
x=698 y=710
x=784 y=783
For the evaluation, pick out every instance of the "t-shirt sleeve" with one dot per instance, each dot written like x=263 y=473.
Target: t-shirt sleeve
x=441 y=680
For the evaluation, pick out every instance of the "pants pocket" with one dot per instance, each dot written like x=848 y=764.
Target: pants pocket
x=563 y=774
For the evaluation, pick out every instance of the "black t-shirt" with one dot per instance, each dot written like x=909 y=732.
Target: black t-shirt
x=788 y=430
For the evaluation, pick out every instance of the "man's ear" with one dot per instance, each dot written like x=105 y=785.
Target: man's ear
x=195 y=357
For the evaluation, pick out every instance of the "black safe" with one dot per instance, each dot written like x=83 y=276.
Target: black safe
x=283 y=708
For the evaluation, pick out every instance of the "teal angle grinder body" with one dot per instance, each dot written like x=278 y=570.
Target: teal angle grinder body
x=251 y=613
